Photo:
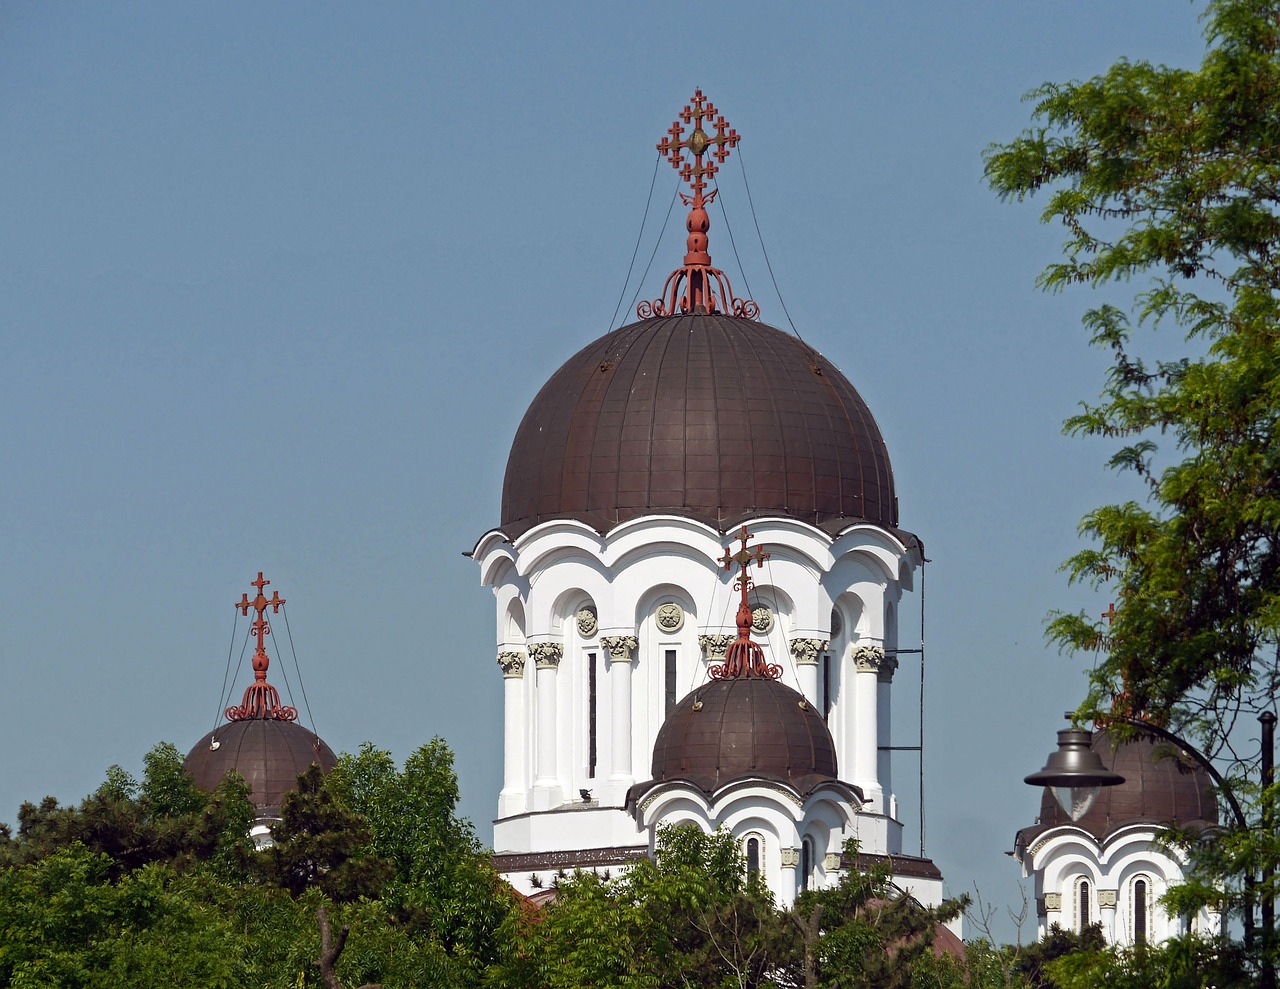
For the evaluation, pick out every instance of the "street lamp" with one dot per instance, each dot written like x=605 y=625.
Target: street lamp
x=1074 y=773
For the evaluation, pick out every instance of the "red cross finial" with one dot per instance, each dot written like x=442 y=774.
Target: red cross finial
x=744 y=658
x=261 y=700
x=698 y=287
x=1110 y=613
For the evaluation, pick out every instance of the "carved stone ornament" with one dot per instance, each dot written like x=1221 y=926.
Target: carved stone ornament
x=1053 y=901
x=621 y=647
x=831 y=861
x=546 y=655
x=669 y=617
x=868 y=659
x=714 y=646
x=761 y=620
x=806 y=651
x=837 y=624
x=790 y=856
x=512 y=664
x=1107 y=897
x=587 y=622
x=887 y=668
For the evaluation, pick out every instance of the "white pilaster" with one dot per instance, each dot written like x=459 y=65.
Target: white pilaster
x=622 y=653
x=547 y=790
x=867 y=660
x=884 y=685
x=512 y=799
x=807 y=653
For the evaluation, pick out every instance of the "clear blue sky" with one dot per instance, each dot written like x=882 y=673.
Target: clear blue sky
x=277 y=282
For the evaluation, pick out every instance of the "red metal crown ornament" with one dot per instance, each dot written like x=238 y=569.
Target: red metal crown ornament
x=697 y=287
x=744 y=658
x=261 y=700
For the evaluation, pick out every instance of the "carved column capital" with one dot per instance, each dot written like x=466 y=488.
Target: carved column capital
x=512 y=664
x=546 y=655
x=621 y=648
x=1107 y=897
x=1053 y=901
x=807 y=651
x=790 y=856
x=714 y=646
x=872 y=659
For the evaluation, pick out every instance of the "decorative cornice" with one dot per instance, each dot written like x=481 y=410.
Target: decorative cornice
x=512 y=664
x=807 y=651
x=621 y=648
x=713 y=646
x=588 y=623
x=546 y=655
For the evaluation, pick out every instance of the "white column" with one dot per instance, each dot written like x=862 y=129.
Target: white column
x=807 y=653
x=884 y=684
x=512 y=799
x=867 y=660
x=622 y=652
x=546 y=784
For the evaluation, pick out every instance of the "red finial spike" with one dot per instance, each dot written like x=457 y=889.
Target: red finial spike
x=261 y=700
x=697 y=287
x=744 y=657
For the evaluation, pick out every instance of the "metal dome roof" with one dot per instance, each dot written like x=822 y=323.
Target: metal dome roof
x=267 y=752
x=1159 y=788
x=746 y=727
x=709 y=416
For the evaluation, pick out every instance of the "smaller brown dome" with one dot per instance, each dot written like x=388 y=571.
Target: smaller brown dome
x=1160 y=787
x=743 y=728
x=269 y=753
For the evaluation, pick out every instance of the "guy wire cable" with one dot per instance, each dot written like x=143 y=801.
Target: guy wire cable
x=746 y=185
x=656 y=244
x=227 y=695
x=732 y=243
x=226 y=672
x=301 y=686
x=636 y=250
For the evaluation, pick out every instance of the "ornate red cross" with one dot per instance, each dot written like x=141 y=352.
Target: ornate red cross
x=261 y=700
x=744 y=658
x=744 y=557
x=697 y=172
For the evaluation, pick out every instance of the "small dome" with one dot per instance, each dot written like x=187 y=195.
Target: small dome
x=743 y=728
x=269 y=753
x=1159 y=787
x=712 y=417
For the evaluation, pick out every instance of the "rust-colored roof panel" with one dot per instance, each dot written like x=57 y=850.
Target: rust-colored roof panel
x=708 y=416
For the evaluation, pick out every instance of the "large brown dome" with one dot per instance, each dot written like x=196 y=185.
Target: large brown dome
x=743 y=728
x=711 y=417
x=1159 y=788
x=267 y=752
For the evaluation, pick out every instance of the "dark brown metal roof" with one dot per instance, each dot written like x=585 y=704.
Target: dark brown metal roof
x=268 y=753
x=1159 y=788
x=711 y=417
x=742 y=728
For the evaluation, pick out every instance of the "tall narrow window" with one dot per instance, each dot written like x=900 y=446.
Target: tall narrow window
x=806 y=863
x=753 y=856
x=1140 y=911
x=671 y=680
x=826 y=686
x=1083 y=897
x=591 y=715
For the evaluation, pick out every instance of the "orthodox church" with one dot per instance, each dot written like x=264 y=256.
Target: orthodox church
x=648 y=677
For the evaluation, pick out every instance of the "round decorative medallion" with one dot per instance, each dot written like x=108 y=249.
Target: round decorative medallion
x=837 y=625
x=761 y=620
x=587 y=622
x=669 y=616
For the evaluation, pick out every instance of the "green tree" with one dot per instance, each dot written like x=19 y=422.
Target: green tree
x=1169 y=179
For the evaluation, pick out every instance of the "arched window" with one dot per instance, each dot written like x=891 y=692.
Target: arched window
x=753 y=856
x=1084 y=913
x=1141 y=906
x=806 y=862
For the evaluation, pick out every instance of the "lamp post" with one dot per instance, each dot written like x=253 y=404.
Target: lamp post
x=1075 y=773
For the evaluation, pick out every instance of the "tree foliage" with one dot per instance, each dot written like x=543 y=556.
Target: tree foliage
x=1169 y=179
